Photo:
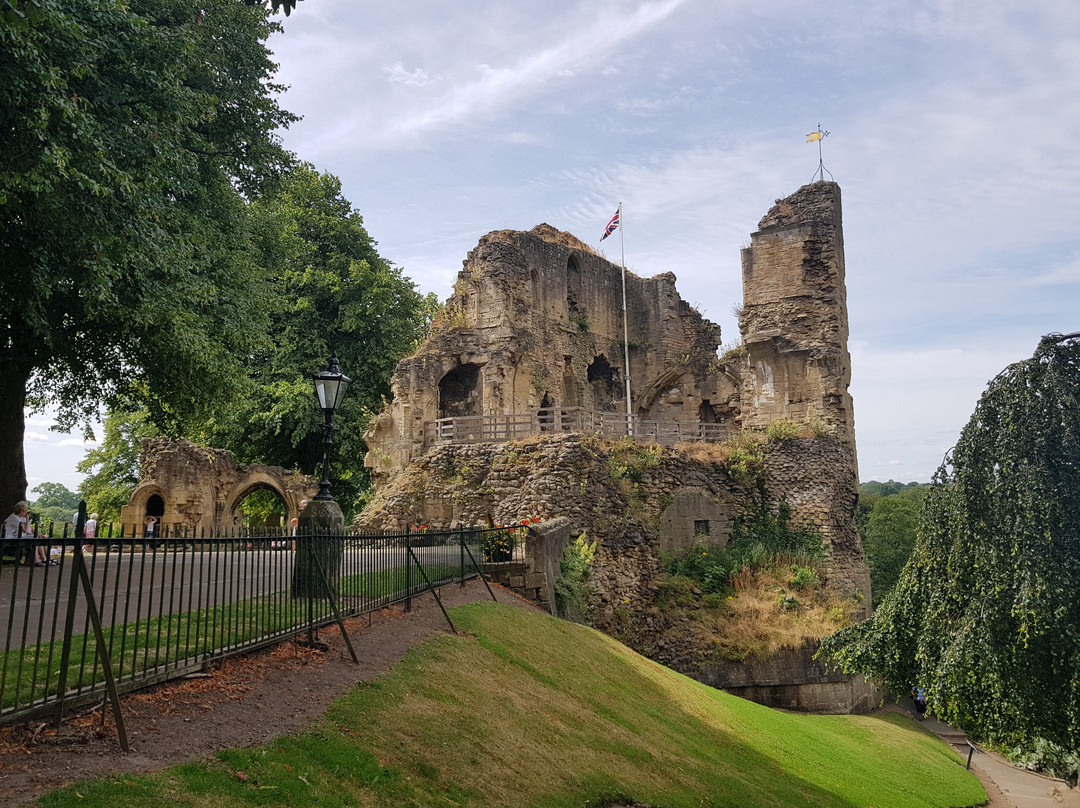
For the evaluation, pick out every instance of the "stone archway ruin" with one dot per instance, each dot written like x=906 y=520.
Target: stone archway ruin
x=200 y=489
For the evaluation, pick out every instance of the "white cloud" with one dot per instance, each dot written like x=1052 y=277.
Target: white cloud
x=86 y=444
x=418 y=77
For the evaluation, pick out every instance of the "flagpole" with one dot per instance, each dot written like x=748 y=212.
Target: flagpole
x=625 y=329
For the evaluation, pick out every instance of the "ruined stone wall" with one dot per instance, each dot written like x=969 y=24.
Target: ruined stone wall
x=635 y=501
x=817 y=478
x=536 y=320
x=198 y=488
x=792 y=680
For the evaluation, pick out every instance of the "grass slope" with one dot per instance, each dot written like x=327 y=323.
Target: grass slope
x=533 y=711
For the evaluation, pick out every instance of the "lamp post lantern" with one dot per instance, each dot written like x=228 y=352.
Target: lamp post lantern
x=330 y=386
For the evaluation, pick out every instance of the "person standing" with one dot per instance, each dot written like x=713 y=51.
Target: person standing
x=918 y=695
x=90 y=532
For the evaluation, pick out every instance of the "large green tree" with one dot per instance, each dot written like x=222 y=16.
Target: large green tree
x=331 y=293
x=986 y=615
x=130 y=133
x=55 y=501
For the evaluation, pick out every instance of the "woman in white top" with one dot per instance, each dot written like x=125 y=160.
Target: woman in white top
x=17 y=527
x=90 y=531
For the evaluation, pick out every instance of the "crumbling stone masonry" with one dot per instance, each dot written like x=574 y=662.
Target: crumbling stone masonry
x=192 y=489
x=535 y=321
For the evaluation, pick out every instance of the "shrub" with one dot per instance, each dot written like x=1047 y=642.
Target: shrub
x=760 y=537
x=746 y=458
x=789 y=603
x=803 y=577
x=781 y=430
x=571 y=588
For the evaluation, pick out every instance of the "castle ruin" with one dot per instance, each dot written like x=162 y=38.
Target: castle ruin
x=501 y=415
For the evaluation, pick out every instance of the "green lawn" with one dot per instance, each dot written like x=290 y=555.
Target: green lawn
x=32 y=673
x=532 y=711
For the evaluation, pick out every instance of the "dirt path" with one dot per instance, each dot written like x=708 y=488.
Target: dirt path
x=245 y=701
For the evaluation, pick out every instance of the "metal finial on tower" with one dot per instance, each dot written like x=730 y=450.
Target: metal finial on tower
x=819 y=135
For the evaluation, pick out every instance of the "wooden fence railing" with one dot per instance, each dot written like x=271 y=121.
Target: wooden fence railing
x=499 y=428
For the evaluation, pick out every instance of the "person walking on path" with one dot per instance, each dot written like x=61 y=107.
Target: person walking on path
x=90 y=532
x=918 y=695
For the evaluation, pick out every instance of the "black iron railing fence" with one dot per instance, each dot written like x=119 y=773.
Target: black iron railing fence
x=113 y=615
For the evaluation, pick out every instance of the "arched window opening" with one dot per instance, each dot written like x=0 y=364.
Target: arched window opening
x=604 y=380
x=459 y=392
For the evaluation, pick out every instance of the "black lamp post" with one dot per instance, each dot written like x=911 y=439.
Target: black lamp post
x=330 y=386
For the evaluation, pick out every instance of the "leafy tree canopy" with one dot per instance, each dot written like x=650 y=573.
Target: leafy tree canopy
x=889 y=536
x=331 y=292
x=985 y=615
x=870 y=493
x=130 y=133
x=113 y=467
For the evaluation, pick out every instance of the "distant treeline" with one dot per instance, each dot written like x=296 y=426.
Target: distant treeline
x=888 y=519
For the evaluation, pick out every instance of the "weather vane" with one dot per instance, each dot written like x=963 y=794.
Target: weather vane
x=819 y=136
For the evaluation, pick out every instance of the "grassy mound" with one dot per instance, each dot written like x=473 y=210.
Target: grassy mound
x=533 y=711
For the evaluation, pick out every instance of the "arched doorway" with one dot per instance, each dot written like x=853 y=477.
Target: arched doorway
x=153 y=523
x=262 y=508
x=459 y=392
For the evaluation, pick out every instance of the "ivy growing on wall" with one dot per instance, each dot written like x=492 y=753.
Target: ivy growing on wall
x=986 y=614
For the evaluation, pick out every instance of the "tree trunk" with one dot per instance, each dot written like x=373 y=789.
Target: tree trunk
x=12 y=429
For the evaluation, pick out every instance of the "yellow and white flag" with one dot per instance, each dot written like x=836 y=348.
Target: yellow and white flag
x=818 y=135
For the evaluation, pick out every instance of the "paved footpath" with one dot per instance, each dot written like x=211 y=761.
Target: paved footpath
x=1019 y=788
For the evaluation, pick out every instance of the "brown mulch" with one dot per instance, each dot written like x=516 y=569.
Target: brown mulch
x=245 y=701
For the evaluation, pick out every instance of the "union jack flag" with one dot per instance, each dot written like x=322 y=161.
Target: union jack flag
x=613 y=225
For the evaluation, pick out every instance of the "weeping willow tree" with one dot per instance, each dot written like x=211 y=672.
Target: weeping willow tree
x=986 y=614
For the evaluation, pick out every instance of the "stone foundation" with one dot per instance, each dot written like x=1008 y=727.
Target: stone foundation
x=792 y=680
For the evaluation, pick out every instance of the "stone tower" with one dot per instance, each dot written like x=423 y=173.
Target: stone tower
x=794 y=320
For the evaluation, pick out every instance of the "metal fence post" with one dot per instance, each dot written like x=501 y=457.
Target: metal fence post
x=408 y=570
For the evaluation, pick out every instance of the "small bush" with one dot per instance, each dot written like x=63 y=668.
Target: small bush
x=789 y=603
x=571 y=588
x=803 y=577
x=746 y=458
x=820 y=429
x=1044 y=756
x=783 y=429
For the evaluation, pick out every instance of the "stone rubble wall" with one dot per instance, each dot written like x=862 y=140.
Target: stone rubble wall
x=792 y=680
x=573 y=477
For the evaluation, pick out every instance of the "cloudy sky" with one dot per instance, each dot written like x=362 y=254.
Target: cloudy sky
x=954 y=135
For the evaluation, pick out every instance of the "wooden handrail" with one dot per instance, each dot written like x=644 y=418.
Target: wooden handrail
x=543 y=420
